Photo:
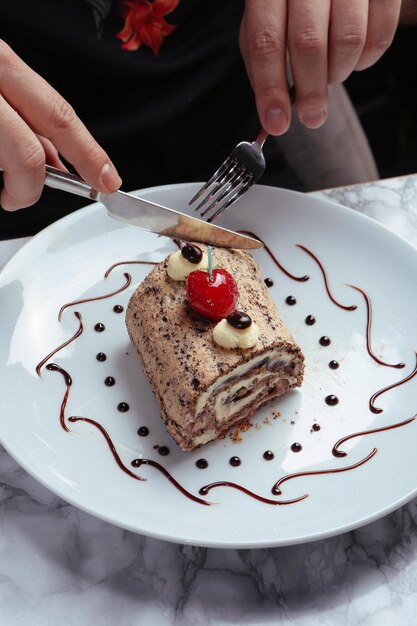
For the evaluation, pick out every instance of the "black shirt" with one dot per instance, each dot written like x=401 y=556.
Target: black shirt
x=163 y=118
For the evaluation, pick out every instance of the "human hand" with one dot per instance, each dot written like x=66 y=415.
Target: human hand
x=323 y=41
x=36 y=124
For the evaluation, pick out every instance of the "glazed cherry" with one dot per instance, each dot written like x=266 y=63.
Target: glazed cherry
x=214 y=299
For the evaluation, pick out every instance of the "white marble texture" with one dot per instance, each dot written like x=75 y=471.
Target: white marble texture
x=59 y=565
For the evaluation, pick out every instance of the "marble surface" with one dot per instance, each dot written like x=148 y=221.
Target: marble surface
x=60 y=565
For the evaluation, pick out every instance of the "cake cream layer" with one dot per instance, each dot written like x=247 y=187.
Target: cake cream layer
x=202 y=389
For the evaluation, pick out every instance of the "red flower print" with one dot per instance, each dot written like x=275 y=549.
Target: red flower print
x=145 y=24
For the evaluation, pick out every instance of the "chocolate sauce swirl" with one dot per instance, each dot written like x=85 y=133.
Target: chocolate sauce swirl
x=268 y=250
x=339 y=453
x=63 y=345
x=162 y=470
x=53 y=367
x=276 y=488
x=96 y=298
x=225 y=483
x=376 y=395
x=368 y=331
x=112 y=267
x=351 y=307
x=126 y=470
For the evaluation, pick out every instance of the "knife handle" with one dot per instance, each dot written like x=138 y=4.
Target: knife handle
x=64 y=181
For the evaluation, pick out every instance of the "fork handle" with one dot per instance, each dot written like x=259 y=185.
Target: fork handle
x=261 y=138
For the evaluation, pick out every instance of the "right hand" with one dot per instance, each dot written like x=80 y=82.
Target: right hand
x=36 y=125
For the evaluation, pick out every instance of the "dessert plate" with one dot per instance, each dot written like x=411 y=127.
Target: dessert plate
x=319 y=461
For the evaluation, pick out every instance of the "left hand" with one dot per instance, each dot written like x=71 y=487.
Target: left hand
x=323 y=40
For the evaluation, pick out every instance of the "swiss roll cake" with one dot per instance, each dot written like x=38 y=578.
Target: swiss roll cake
x=211 y=342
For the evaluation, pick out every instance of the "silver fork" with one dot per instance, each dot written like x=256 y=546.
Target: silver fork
x=242 y=168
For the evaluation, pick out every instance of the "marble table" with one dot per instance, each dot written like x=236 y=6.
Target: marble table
x=59 y=565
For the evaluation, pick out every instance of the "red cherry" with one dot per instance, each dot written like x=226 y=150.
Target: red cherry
x=215 y=298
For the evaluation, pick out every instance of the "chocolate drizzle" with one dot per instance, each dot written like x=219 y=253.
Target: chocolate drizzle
x=110 y=443
x=300 y=279
x=276 y=488
x=63 y=345
x=326 y=280
x=53 y=367
x=339 y=453
x=111 y=268
x=376 y=395
x=161 y=468
x=225 y=483
x=96 y=298
x=368 y=331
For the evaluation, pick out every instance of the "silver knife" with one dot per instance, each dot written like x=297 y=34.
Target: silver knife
x=150 y=216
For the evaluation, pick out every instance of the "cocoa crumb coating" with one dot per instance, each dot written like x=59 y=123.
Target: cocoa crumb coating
x=175 y=345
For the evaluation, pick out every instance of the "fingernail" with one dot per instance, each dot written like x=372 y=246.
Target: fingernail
x=277 y=121
x=314 y=119
x=110 y=178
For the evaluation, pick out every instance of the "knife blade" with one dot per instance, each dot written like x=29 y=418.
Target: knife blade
x=150 y=216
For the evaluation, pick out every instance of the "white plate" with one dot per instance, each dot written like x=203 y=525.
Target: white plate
x=67 y=262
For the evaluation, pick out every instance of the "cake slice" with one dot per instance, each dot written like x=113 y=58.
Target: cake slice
x=201 y=387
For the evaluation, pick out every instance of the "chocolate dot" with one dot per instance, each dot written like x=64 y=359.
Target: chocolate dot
x=195 y=383
x=325 y=341
x=269 y=282
x=291 y=300
x=201 y=463
x=235 y=461
x=331 y=400
x=123 y=407
x=101 y=357
x=333 y=365
x=163 y=451
x=99 y=327
x=310 y=320
x=239 y=319
x=118 y=308
x=296 y=447
x=109 y=381
x=316 y=427
x=143 y=431
x=192 y=253
x=268 y=455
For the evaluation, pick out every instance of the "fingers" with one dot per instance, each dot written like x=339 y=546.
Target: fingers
x=23 y=159
x=51 y=153
x=47 y=114
x=263 y=46
x=348 y=28
x=325 y=41
x=382 y=23
x=308 y=24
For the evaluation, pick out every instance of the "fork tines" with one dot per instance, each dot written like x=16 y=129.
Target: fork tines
x=226 y=185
